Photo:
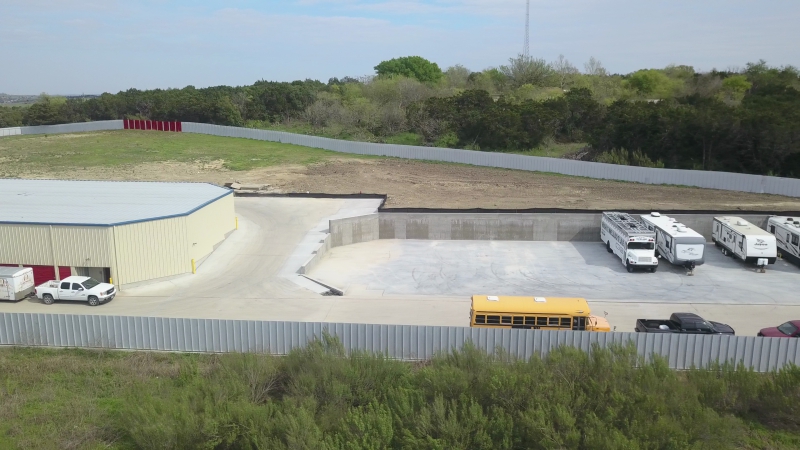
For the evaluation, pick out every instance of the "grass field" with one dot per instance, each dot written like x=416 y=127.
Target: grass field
x=318 y=398
x=115 y=148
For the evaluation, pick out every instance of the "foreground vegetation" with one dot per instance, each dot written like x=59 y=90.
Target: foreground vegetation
x=738 y=120
x=318 y=398
x=23 y=154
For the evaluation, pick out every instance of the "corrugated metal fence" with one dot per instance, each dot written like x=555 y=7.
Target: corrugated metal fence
x=712 y=180
x=404 y=342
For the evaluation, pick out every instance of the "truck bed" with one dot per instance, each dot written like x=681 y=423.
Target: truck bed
x=652 y=326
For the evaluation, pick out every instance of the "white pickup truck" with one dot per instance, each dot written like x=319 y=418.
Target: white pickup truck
x=80 y=289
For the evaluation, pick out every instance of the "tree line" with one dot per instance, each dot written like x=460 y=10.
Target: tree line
x=739 y=120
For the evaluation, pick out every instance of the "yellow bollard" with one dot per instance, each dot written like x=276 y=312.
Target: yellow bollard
x=194 y=269
x=110 y=280
x=237 y=223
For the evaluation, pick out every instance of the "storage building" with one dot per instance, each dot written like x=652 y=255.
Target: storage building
x=126 y=232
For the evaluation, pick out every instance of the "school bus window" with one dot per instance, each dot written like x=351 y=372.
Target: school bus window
x=480 y=318
x=507 y=319
x=493 y=319
x=566 y=322
x=553 y=321
x=531 y=321
x=541 y=321
x=518 y=320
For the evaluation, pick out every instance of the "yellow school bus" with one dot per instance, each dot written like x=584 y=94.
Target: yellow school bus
x=536 y=313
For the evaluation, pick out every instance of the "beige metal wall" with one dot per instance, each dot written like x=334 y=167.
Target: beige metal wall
x=76 y=246
x=208 y=226
x=149 y=250
x=25 y=244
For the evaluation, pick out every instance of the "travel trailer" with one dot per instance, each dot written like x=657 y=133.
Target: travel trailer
x=630 y=240
x=675 y=242
x=16 y=283
x=787 y=235
x=741 y=239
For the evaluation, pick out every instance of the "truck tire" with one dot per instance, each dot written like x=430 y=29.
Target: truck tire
x=48 y=299
x=93 y=301
x=629 y=267
x=608 y=247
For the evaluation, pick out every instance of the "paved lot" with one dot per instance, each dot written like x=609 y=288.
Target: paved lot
x=560 y=269
x=252 y=275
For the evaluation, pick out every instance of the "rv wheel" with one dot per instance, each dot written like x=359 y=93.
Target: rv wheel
x=725 y=251
x=608 y=247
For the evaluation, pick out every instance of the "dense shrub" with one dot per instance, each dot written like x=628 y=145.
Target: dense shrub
x=319 y=397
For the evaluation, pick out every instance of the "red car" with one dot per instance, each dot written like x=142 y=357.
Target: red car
x=788 y=329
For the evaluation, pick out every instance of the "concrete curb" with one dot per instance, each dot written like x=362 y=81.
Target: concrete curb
x=334 y=290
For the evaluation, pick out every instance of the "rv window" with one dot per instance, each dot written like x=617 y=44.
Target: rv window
x=795 y=239
x=741 y=244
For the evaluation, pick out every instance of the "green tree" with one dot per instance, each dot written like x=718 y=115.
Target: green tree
x=411 y=67
x=651 y=83
x=526 y=70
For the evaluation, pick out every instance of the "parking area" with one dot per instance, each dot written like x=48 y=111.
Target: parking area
x=559 y=269
x=253 y=275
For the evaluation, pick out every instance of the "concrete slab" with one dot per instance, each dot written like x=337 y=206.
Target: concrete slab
x=563 y=269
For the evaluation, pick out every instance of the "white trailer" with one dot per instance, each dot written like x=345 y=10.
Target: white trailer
x=787 y=235
x=16 y=283
x=741 y=239
x=675 y=242
x=630 y=240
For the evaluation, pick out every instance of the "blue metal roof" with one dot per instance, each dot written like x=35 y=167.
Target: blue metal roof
x=100 y=203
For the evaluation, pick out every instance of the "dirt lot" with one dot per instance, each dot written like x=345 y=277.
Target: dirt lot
x=435 y=185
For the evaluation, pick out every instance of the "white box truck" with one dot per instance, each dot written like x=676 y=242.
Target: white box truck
x=630 y=240
x=16 y=283
x=741 y=239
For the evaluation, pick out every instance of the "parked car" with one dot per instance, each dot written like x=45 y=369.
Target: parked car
x=688 y=323
x=788 y=329
x=80 y=289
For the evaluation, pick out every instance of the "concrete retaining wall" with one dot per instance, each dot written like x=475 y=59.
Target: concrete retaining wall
x=511 y=227
x=353 y=230
x=317 y=255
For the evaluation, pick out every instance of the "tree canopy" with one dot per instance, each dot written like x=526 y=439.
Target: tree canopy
x=415 y=67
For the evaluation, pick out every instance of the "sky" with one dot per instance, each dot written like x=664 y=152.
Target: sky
x=94 y=46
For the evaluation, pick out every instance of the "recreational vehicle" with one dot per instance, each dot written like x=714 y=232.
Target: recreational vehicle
x=630 y=240
x=741 y=239
x=787 y=233
x=675 y=242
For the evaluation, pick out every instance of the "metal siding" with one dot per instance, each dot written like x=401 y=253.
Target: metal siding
x=208 y=226
x=83 y=246
x=150 y=250
x=395 y=341
x=25 y=244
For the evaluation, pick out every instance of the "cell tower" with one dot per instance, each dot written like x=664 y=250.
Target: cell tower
x=526 y=49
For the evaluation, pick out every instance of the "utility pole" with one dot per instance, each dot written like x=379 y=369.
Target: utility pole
x=526 y=49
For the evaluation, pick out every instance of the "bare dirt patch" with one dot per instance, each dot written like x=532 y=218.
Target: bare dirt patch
x=430 y=185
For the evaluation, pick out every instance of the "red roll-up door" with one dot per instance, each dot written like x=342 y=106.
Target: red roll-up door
x=43 y=274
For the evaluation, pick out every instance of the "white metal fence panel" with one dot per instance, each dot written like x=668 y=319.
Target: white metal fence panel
x=13 y=131
x=396 y=341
